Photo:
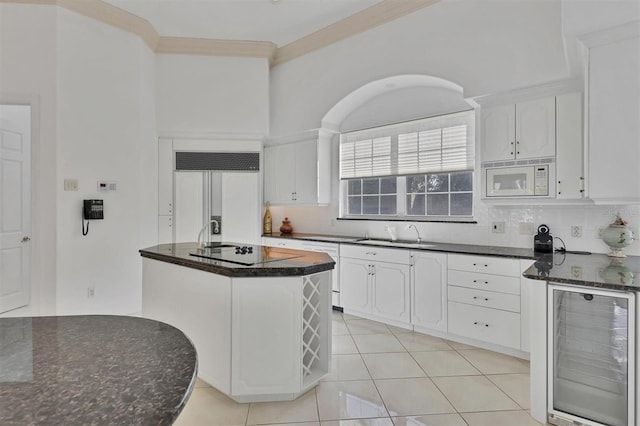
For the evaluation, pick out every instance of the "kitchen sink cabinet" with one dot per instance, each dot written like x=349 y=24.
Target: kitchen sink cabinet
x=429 y=290
x=519 y=131
x=375 y=282
x=298 y=172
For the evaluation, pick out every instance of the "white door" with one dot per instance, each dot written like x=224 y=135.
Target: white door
x=240 y=208
x=498 y=133
x=354 y=280
x=15 y=206
x=306 y=175
x=429 y=290
x=391 y=291
x=536 y=128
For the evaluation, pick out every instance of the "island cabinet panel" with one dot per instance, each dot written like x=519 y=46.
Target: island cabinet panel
x=199 y=304
x=258 y=338
x=267 y=326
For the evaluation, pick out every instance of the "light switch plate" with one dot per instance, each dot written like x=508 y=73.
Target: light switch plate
x=71 y=184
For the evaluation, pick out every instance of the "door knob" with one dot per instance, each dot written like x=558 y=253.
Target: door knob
x=25 y=239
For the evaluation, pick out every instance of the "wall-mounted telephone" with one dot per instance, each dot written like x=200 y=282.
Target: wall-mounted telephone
x=91 y=210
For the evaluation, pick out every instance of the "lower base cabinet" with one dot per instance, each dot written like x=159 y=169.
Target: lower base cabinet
x=485 y=324
x=429 y=290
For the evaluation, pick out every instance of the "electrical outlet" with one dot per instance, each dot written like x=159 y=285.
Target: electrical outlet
x=599 y=231
x=576 y=272
x=91 y=291
x=497 y=227
x=576 y=231
x=71 y=184
x=526 y=228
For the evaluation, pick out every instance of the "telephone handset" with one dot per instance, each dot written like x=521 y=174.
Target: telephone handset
x=91 y=210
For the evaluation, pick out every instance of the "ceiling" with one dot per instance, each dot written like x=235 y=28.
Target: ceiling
x=277 y=21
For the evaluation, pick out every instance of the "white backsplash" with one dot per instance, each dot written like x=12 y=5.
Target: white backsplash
x=560 y=219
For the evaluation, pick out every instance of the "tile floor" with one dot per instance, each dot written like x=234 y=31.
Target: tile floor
x=386 y=376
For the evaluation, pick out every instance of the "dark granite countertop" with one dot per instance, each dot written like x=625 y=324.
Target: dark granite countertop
x=272 y=261
x=93 y=370
x=511 y=252
x=593 y=270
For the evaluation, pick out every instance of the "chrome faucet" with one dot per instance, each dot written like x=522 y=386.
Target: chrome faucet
x=419 y=240
x=216 y=230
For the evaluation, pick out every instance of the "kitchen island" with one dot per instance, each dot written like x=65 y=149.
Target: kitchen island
x=93 y=370
x=583 y=339
x=260 y=317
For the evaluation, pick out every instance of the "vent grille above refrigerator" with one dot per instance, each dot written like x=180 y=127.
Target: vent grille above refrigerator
x=218 y=161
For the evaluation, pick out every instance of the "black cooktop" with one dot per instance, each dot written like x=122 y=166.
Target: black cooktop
x=244 y=255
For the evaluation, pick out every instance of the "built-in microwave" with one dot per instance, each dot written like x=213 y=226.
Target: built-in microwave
x=519 y=180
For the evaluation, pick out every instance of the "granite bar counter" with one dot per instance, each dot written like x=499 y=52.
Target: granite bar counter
x=260 y=317
x=93 y=370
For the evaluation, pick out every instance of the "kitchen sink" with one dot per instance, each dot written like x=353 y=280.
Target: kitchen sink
x=396 y=243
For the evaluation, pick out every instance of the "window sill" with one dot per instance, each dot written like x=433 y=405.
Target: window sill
x=411 y=219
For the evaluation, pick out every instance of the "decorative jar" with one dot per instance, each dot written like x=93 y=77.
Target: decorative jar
x=286 y=227
x=617 y=236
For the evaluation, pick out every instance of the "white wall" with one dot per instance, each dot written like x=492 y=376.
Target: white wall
x=28 y=75
x=483 y=46
x=198 y=95
x=105 y=131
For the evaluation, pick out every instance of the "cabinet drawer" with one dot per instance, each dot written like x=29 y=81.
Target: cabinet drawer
x=376 y=253
x=488 y=299
x=499 y=283
x=485 y=264
x=488 y=325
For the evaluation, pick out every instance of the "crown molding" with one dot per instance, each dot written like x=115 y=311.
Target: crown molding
x=213 y=47
x=378 y=14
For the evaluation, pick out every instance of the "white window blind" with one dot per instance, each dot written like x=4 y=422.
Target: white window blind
x=431 y=145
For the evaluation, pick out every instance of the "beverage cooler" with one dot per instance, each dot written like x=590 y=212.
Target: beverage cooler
x=591 y=357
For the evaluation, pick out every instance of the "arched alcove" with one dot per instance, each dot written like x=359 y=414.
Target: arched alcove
x=393 y=99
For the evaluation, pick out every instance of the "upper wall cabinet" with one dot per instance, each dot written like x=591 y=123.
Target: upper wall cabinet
x=614 y=115
x=298 y=172
x=519 y=131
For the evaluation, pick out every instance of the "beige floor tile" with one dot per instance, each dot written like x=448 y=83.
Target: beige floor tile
x=458 y=345
x=349 y=317
x=474 y=393
x=302 y=409
x=516 y=386
x=489 y=362
x=339 y=328
x=296 y=424
x=365 y=326
x=500 y=418
x=413 y=397
x=392 y=365
x=385 y=421
x=343 y=345
x=375 y=343
x=347 y=367
x=208 y=407
x=431 y=420
x=201 y=384
x=399 y=330
x=358 y=399
x=422 y=342
x=444 y=363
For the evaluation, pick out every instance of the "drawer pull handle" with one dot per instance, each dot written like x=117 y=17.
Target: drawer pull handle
x=373 y=253
x=485 y=299
x=480 y=324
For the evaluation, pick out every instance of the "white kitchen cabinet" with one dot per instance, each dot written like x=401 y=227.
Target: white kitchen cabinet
x=429 y=290
x=484 y=295
x=165 y=229
x=299 y=172
x=376 y=282
x=614 y=111
x=569 y=147
x=519 y=131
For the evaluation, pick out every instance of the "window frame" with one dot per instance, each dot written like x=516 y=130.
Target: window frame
x=401 y=194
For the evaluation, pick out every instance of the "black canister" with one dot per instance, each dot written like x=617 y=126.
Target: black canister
x=543 y=241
